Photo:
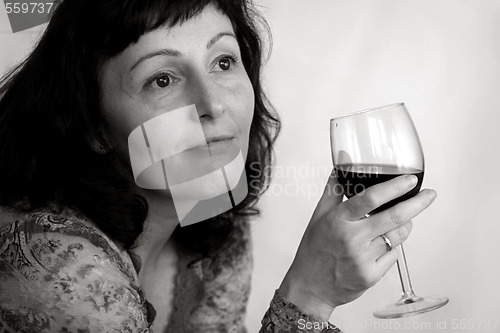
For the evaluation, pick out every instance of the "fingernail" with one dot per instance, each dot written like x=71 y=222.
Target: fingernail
x=432 y=194
x=411 y=180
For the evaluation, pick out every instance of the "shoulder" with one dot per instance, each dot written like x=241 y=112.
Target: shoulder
x=58 y=271
x=227 y=278
x=236 y=255
x=215 y=287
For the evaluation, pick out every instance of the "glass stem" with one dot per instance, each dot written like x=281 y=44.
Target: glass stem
x=408 y=293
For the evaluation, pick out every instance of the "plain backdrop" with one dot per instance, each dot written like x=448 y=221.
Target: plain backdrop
x=332 y=57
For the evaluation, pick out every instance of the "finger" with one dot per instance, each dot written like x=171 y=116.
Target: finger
x=377 y=195
x=332 y=195
x=399 y=235
x=395 y=216
x=396 y=237
x=385 y=262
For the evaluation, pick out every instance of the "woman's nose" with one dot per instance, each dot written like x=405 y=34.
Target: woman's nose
x=209 y=98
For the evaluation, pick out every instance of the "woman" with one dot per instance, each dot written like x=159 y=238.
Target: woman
x=84 y=248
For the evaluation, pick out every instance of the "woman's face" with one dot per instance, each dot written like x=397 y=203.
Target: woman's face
x=195 y=63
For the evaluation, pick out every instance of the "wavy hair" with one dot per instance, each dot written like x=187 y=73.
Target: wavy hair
x=50 y=107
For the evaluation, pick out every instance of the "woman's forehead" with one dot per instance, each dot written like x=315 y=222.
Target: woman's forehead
x=198 y=29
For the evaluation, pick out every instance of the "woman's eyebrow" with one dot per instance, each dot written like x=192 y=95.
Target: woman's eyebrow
x=219 y=36
x=167 y=52
x=175 y=53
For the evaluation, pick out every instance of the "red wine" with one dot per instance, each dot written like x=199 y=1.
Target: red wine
x=355 y=178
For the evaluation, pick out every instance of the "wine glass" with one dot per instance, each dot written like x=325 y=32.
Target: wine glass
x=373 y=146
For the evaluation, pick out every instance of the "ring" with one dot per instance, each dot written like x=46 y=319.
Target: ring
x=387 y=242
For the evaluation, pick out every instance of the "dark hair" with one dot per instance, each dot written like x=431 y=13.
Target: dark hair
x=50 y=107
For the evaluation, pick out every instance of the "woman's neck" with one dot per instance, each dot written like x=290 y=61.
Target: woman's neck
x=158 y=228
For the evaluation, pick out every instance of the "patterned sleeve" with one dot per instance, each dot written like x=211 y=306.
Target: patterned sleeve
x=285 y=317
x=63 y=275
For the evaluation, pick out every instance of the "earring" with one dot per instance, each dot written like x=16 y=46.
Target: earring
x=103 y=147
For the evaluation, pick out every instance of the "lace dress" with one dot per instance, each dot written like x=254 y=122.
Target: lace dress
x=60 y=273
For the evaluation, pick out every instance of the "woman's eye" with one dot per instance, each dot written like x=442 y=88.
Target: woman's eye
x=225 y=64
x=162 y=81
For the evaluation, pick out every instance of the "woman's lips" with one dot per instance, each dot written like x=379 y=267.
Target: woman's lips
x=217 y=138
x=219 y=143
x=201 y=160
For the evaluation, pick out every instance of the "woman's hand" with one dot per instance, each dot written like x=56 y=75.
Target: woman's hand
x=341 y=254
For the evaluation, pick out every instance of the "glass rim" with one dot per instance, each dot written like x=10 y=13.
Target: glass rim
x=377 y=108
